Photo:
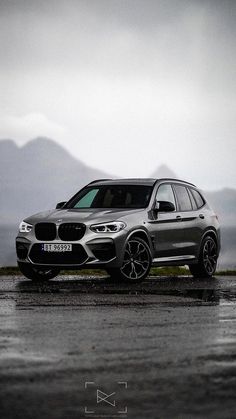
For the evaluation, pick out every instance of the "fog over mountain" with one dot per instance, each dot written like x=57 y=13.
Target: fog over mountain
x=163 y=171
x=41 y=173
x=125 y=85
x=133 y=88
x=38 y=175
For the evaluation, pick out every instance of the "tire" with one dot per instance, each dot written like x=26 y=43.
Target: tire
x=37 y=274
x=206 y=266
x=136 y=264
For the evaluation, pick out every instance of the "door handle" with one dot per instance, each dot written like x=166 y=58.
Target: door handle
x=178 y=218
x=201 y=216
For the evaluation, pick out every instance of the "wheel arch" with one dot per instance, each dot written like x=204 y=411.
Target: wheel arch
x=142 y=234
x=213 y=234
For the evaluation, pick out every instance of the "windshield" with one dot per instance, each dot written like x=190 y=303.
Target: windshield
x=112 y=196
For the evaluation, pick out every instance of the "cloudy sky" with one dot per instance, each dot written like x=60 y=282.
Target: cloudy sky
x=124 y=85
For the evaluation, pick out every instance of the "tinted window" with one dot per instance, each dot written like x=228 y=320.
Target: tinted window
x=87 y=199
x=194 y=205
x=183 y=198
x=165 y=193
x=112 y=196
x=199 y=200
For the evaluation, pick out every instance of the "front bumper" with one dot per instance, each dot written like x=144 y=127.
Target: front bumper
x=93 y=250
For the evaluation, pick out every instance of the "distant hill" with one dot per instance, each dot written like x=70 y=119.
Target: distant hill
x=163 y=171
x=38 y=175
x=223 y=201
x=41 y=173
x=224 y=204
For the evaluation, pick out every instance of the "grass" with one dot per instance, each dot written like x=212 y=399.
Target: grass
x=164 y=271
x=227 y=272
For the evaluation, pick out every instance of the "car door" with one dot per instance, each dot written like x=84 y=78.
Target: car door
x=166 y=226
x=190 y=224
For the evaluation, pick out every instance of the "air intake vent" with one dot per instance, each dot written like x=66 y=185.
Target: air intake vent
x=71 y=231
x=45 y=231
x=22 y=250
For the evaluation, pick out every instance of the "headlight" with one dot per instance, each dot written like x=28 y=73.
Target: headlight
x=25 y=227
x=112 y=227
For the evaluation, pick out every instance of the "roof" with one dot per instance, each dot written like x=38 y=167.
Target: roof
x=135 y=181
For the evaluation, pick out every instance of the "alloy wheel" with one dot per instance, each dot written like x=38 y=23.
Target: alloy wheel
x=136 y=260
x=210 y=256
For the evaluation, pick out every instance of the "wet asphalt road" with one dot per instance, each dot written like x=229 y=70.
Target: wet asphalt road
x=166 y=348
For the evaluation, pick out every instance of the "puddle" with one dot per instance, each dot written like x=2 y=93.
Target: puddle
x=222 y=360
x=205 y=295
x=202 y=292
x=25 y=357
x=227 y=320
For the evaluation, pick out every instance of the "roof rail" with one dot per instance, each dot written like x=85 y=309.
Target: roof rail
x=175 y=179
x=97 y=180
x=156 y=180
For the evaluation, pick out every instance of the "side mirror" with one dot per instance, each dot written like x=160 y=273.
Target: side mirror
x=164 y=206
x=60 y=205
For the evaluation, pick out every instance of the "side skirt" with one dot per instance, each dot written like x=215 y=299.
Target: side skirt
x=174 y=260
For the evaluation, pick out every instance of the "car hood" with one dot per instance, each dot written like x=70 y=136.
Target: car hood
x=86 y=216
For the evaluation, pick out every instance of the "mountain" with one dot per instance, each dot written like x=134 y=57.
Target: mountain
x=224 y=204
x=163 y=171
x=223 y=201
x=38 y=175
x=41 y=173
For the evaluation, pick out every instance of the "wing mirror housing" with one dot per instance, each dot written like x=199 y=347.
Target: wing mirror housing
x=60 y=204
x=164 y=206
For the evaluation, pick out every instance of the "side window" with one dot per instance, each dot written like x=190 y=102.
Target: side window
x=199 y=200
x=165 y=193
x=183 y=198
x=194 y=205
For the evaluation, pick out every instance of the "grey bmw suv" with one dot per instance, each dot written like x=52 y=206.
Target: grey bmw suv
x=124 y=226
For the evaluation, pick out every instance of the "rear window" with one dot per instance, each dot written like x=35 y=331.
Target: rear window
x=193 y=202
x=198 y=198
x=183 y=198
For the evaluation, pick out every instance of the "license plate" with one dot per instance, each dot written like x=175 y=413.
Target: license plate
x=57 y=247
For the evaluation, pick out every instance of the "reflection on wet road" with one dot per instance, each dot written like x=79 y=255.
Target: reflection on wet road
x=164 y=348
